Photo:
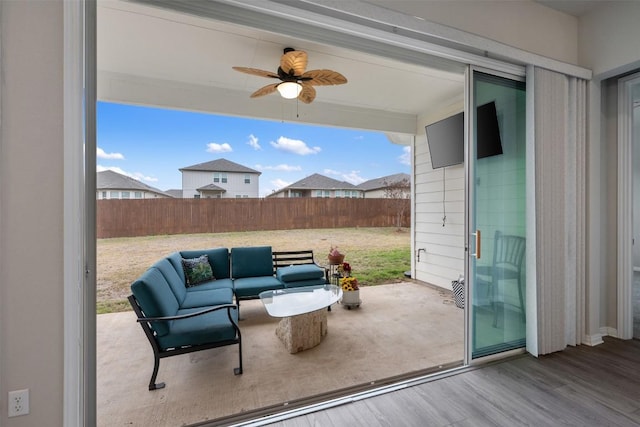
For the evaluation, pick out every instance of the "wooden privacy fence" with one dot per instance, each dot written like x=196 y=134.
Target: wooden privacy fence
x=147 y=217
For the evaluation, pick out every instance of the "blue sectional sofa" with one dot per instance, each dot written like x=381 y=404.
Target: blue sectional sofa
x=185 y=301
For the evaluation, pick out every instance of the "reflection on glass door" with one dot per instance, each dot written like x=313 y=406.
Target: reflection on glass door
x=497 y=212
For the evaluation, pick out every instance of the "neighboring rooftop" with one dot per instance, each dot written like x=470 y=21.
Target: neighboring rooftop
x=383 y=182
x=110 y=180
x=220 y=165
x=175 y=192
x=319 y=182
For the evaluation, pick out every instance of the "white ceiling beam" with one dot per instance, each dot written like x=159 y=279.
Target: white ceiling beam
x=129 y=89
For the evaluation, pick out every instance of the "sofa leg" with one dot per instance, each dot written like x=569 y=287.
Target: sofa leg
x=156 y=366
x=238 y=370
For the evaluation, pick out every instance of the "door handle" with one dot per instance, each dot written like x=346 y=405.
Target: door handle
x=478 y=252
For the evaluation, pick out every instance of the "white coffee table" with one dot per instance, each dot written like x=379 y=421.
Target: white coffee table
x=304 y=314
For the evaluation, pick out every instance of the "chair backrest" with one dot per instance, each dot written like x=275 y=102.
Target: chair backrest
x=508 y=251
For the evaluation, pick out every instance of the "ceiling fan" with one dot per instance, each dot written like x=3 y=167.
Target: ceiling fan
x=295 y=82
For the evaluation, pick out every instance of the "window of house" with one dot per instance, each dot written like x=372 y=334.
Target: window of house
x=126 y=194
x=247 y=179
x=137 y=194
x=223 y=177
x=216 y=177
x=238 y=196
x=196 y=196
x=114 y=194
x=218 y=196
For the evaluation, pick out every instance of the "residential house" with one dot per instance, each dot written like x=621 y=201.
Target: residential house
x=219 y=179
x=113 y=185
x=397 y=186
x=44 y=95
x=175 y=193
x=317 y=185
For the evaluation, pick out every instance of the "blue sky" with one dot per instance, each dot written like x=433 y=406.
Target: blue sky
x=152 y=144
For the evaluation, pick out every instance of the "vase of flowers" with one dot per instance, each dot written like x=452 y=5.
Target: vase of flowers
x=350 y=292
x=335 y=256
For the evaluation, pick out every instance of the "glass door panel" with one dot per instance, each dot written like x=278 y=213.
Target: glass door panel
x=497 y=210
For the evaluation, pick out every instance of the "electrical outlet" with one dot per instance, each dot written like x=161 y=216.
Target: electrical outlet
x=18 y=402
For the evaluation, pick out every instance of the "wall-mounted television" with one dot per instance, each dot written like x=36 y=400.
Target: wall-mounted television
x=446 y=137
x=446 y=141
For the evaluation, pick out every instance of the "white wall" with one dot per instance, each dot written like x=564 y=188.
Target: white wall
x=608 y=38
x=31 y=239
x=523 y=24
x=443 y=258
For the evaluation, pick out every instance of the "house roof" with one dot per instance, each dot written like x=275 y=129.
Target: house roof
x=110 y=180
x=211 y=187
x=175 y=192
x=383 y=182
x=319 y=182
x=219 y=165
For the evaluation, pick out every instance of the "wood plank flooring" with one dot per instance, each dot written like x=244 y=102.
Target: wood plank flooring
x=581 y=386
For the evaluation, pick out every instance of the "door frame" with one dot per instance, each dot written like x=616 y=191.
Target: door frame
x=79 y=256
x=469 y=165
x=625 y=206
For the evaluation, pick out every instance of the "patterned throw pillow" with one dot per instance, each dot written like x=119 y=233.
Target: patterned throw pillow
x=197 y=270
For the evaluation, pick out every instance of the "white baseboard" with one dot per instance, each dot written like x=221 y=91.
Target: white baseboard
x=592 y=340
x=609 y=331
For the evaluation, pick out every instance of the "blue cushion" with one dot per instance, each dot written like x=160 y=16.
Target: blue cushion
x=299 y=272
x=207 y=328
x=156 y=298
x=251 y=261
x=175 y=280
x=218 y=258
x=176 y=260
x=250 y=287
x=310 y=282
x=207 y=298
x=214 y=284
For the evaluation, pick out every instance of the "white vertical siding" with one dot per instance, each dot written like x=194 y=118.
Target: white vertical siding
x=438 y=192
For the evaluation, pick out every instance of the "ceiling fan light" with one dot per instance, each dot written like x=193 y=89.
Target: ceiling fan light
x=289 y=90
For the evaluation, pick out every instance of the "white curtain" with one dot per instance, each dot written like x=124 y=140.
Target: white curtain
x=559 y=128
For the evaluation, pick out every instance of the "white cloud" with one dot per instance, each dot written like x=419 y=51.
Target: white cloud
x=101 y=154
x=281 y=168
x=279 y=183
x=135 y=175
x=353 y=177
x=294 y=146
x=253 y=142
x=213 y=147
x=405 y=158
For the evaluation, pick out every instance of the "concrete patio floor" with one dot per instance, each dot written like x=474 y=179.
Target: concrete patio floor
x=399 y=328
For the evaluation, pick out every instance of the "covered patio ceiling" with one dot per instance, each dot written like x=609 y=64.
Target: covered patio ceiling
x=161 y=57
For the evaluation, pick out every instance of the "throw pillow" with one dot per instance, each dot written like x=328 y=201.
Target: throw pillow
x=197 y=270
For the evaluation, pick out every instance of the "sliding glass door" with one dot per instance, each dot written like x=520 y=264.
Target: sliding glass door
x=496 y=164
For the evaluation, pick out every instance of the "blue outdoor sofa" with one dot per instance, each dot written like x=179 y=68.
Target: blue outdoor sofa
x=179 y=315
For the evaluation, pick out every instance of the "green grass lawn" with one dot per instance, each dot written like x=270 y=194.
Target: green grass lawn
x=376 y=255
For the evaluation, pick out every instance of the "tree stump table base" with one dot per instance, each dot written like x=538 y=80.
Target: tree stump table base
x=304 y=331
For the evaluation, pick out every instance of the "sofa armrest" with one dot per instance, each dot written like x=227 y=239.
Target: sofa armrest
x=187 y=315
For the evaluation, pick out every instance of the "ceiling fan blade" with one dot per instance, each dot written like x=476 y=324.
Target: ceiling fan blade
x=324 y=77
x=308 y=93
x=294 y=62
x=256 y=72
x=265 y=90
